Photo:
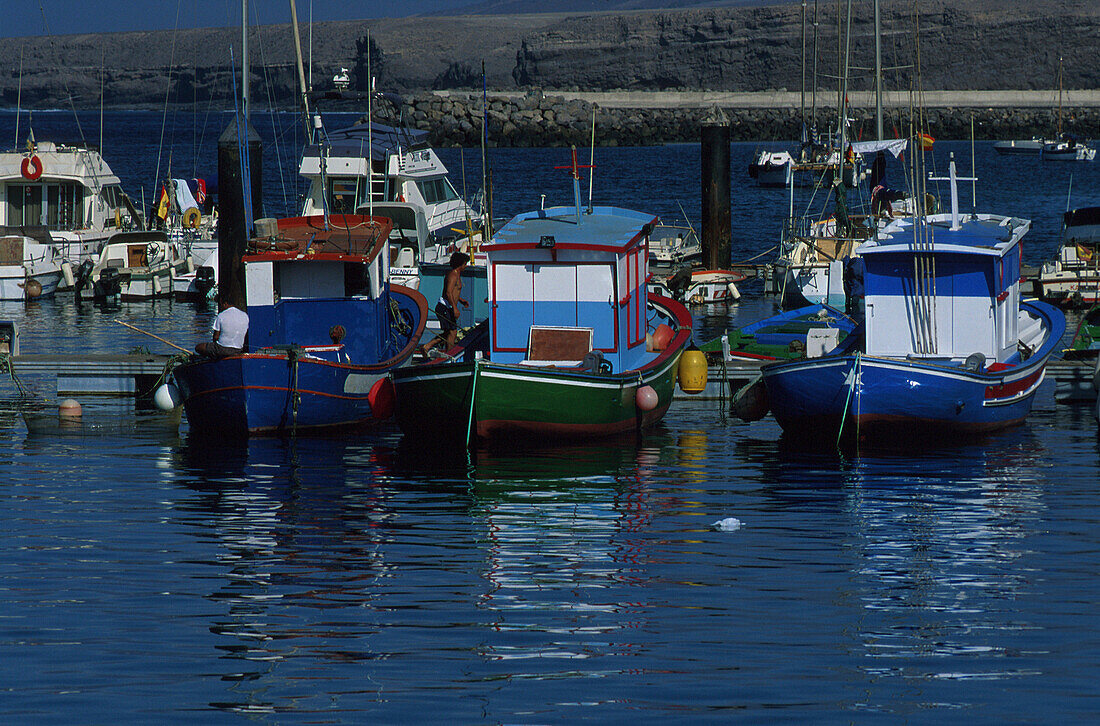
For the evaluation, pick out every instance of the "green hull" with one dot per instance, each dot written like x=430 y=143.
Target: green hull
x=522 y=401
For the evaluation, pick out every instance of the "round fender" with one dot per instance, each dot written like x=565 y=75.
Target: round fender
x=646 y=398
x=382 y=398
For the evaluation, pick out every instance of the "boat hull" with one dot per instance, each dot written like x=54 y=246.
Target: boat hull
x=258 y=393
x=13 y=282
x=527 y=401
x=286 y=388
x=869 y=396
x=1032 y=147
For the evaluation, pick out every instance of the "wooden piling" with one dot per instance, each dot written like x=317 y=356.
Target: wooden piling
x=714 y=134
x=233 y=226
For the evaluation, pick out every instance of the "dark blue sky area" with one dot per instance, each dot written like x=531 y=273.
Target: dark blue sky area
x=65 y=17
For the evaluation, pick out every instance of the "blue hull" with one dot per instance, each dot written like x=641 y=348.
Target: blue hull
x=286 y=388
x=869 y=396
x=271 y=393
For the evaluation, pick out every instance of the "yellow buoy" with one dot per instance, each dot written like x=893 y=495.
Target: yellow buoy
x=693 y=371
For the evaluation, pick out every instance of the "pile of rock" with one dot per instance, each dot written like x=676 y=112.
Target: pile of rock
x=536 y=119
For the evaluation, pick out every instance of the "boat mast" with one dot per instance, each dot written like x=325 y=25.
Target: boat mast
x=813 y=92
x=1059 y=97
x=878 y=74
x=802 y=97
x=844 y=85
x=301 y=69
x=244 y=60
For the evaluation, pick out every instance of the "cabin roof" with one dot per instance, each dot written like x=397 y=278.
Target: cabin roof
x=991 y=235
x=60 y=162
x=379 y=139
x=606 y=229
x=350 y=237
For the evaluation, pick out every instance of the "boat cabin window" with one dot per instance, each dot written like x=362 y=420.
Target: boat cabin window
x=112 y=196
x=437 y=190
x=321 y=280
x=57 y=206
x=343 y=195
x=356 y=278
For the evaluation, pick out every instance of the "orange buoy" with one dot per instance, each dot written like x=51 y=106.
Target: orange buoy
x=32 y=288
x=662 y=336
x=382 y=398
x=646 y=398
x=69 y=408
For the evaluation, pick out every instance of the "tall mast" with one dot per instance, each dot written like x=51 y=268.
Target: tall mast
x=1059 y=96
x=813 y=94
x=878 y=74
x=301 y=69
x=844 y=82
x=244 y=59
x=802 y=98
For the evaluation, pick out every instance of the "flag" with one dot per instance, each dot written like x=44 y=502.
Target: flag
x=200 y=191
x=162 y=203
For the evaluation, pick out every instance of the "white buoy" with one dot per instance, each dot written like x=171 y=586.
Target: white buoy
x=69 y=408
x=157 y=286
x=734 y=293
x=729 y=524
x=67 y=274
x=167 y=396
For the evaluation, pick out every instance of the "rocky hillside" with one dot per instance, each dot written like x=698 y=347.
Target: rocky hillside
x=980 y=44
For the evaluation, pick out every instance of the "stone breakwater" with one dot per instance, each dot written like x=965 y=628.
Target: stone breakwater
x=548 y=120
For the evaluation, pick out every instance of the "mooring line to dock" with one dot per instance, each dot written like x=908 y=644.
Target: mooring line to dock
x=151 y=335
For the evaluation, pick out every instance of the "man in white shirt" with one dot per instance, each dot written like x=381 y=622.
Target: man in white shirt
x=230 y=328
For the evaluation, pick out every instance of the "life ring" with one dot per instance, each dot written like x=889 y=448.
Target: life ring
x=192 y=218
x=31 y=167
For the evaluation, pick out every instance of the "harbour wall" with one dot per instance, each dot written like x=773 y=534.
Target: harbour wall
x=639 y=119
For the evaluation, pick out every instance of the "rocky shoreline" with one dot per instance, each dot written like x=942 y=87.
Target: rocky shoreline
x=536 y=119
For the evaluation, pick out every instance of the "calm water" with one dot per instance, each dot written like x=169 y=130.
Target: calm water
x=149 y=576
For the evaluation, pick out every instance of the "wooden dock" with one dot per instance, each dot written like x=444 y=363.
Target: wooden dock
x=95 y=373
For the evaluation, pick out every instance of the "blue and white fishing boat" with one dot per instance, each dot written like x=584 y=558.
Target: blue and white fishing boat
x=947 y=345
x=574 y=346
x=325 y=329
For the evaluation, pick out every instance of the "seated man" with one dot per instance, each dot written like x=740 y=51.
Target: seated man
x=230 y=328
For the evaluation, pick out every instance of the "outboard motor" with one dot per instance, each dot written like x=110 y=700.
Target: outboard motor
x=204 y=280
x=678 y=283
x=109 y=283
x=593 y=362
x=83 y=274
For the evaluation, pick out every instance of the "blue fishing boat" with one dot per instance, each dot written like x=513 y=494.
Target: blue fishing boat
x=947 y=345
x=574 y=346
x=325 y=329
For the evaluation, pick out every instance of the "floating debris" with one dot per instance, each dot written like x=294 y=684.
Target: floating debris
x=729 y=524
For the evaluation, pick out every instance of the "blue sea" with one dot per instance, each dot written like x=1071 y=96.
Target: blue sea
x=152 y=576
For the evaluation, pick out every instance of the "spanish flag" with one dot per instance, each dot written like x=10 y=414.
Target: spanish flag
x=162 y=203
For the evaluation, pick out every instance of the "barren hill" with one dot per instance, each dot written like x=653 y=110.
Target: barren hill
x=976 y=45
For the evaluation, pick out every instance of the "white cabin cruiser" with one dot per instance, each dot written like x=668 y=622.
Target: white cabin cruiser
x=64 y=202
x=374 y=163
